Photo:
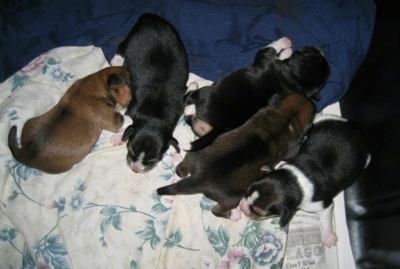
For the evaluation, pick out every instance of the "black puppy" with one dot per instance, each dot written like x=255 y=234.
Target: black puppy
x=224 y=170
x=157 y=61
x=232 y=100
x=330 y=159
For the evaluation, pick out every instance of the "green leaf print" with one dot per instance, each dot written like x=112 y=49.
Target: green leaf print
x=219 y=240
x=109 y=211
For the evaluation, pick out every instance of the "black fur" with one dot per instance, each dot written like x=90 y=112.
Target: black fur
x=232 y=100
x=157 y=61
x=332 y=157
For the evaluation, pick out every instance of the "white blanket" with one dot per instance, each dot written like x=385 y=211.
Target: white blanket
x=100 y=214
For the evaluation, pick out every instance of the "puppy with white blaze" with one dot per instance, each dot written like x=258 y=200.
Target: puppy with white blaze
x=332 y=157
x=158 y=64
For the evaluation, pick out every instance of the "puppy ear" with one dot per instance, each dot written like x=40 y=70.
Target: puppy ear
x=285 y=216
x=128 y=133
x=114 y=81
x=173 y=142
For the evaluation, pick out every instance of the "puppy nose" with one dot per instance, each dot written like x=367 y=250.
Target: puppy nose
x=137 y=168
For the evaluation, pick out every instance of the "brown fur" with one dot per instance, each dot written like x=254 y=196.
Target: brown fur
x=63 y=136
x=224 y=170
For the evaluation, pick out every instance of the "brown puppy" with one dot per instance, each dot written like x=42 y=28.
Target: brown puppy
x=224 y=170
x=63 y=136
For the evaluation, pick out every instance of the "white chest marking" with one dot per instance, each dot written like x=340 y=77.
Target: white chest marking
x=307 y=188
x=322 y=117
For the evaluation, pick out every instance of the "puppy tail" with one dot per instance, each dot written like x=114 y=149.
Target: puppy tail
x=202 y=142
x=185 y=186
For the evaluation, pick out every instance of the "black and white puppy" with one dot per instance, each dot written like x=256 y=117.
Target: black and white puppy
x=224 y=170
x=157 y=61
x=232 y=100
x=331 y=158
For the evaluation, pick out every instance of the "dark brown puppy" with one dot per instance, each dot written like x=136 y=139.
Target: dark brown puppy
x=224 y=170
x=63 y=136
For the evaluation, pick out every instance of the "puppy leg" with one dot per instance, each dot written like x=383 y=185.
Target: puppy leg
x=227 y=211
x=116 y=139
x=235 y=214
x=282 y=47
x=192 y=86
x=112 y=122
x=182 y=169
x=286 y=53
x=328 y=236
x=281 y=44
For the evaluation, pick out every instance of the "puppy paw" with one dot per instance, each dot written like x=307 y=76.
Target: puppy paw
x=281 y=44
x=285 y=54
x=116 y=139
x=235 y=215
x=117 y=60
x=328 y=238
x=192 y=86
x=127 y=121
x=186 y=146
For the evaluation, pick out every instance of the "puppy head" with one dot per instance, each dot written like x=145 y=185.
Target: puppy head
x=267 y=198
x=145 y=147
x=118 y=85
x=310 y=69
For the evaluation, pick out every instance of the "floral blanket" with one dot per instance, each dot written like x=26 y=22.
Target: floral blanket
x=100 y=214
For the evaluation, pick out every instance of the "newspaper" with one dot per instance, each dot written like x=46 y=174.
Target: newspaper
x=304 y=249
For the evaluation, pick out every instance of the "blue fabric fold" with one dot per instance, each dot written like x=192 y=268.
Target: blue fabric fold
x=220 y=35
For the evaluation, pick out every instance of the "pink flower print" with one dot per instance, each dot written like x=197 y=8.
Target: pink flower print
x=35 y=64
x=167 y=201
x=232 y=257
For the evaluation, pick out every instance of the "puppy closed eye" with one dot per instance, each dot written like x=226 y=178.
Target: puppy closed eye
x=262 y=214
x=109 y=100
x=259 y=211
x=151 y=162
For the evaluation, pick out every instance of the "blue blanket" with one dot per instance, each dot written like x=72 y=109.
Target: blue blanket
x=220 y=35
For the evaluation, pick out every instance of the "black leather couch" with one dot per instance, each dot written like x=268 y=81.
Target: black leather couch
x=373 y=100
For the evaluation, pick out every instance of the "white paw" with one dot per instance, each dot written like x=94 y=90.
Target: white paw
x=281 y=44
x=328 y=238
x=116 y=139
x=127 y=121
x=117 y=60
x=192 y=86
x=285 y=54
x=186 y=146
x=235 y=214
